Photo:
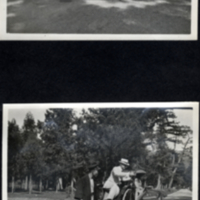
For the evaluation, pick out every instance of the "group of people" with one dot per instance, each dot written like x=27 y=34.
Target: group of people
x=85 y=186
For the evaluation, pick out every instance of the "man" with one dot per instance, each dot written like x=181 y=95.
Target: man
x=85 y=186
x=114 y=179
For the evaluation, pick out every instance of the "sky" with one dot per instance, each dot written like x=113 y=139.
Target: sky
x=38 y=114
x=19 y=115
x=183 y=116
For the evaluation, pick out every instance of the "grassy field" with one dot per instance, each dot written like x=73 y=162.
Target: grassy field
x=37 y=195
x=48 y=195
x=99 y=16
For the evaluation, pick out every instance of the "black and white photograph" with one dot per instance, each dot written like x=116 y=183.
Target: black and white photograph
x=98 y=20
x=100 y=151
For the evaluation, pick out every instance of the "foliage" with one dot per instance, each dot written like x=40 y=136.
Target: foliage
x=163 y=131
x=58 y=142
x=110 y=134
x=31 y=152
x=14 y=146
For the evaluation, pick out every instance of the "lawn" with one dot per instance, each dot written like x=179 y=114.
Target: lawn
x=37 y=195
x=99 y=16
x=182 y=194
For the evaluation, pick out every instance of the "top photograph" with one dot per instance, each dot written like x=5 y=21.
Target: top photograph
x=98 y=20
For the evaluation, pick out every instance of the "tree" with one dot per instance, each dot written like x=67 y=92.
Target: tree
x=188 y=134
x=14 y=147
x=161 y=131
x=32 y=149
x=58 y=142
x=109 y=134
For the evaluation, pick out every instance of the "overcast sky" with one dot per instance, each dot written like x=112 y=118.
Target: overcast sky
x=38 y=114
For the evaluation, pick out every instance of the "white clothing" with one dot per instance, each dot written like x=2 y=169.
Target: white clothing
x=113 y=192
x=115 y=177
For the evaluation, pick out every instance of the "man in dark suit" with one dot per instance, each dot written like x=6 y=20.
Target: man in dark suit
x=86 y=186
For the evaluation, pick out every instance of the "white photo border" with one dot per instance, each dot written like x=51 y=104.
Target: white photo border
x=107 y=37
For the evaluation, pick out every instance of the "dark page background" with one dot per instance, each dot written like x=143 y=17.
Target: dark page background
x=53 y=72
x=62 y=71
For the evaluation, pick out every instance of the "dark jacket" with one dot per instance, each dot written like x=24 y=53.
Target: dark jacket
x=83 y=190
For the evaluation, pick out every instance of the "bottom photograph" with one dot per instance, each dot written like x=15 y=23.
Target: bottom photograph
x=104 y=151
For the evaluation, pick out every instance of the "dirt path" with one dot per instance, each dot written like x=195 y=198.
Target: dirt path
x=180 y=194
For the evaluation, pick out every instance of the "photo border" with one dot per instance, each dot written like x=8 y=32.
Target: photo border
x=195 y=120
x=107 y=37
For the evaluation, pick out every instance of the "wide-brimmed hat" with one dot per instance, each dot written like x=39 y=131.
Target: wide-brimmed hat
x=94 y=166
x=124 y=161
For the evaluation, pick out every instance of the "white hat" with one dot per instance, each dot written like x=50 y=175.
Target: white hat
x=124 y=161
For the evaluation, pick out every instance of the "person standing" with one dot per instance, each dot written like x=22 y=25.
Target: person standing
x=114 y=179
x=86 y=186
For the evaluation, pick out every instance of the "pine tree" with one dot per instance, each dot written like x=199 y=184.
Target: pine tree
x=58 y=142
x=14 y=148
x=109 y=134
x=162 y=130
x=31 y=152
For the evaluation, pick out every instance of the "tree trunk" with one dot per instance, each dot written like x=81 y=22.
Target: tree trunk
x=73 y=182
x=30 y=184
x=26 y=183
x=40 y=184
x=47 y=185
x=158 y=187
x=173 y=173
x=13 y=184
x=173 y=160
x=172 y=178
x=57 y=185
x=179 y=160
x=22 y=184
x=60 y=183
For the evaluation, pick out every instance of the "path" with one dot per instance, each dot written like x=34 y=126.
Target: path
x=180 y=194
